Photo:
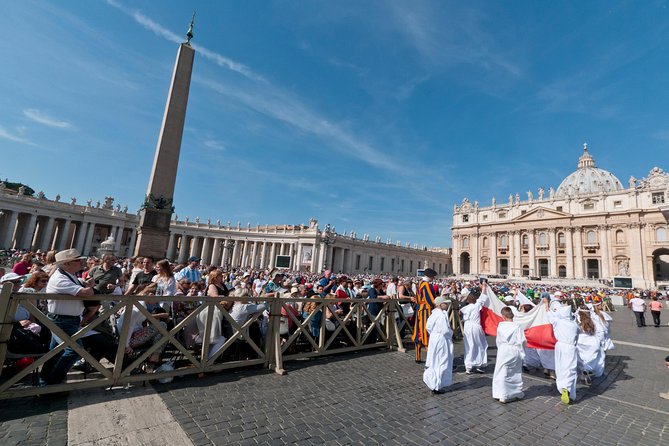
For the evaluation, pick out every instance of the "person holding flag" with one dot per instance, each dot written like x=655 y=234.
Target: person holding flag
x=476 y=345
x=425 y=296
x=566 y=353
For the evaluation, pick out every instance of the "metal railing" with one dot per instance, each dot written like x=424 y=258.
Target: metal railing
x=289 y=335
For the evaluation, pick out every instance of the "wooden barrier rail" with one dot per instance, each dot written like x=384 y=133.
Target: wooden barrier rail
x=288 y=336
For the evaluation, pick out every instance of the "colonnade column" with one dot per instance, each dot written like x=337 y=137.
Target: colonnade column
x=272 y=255
x=45 y=242
x=118 y=235
x=11 y=229
x=184 y=249
x=195 y=246
x=29 y=232
x=552 y=249
x=321 y=257
x=226 y=252
x=314 y=257
x=254 y=255
x=63 y=236
x=216 y=256
x=245 y=252
x=90 y=231
x=171 y=246
x=570 y=251
x=206 y=251
x=131 y=243
x=578 y=258
x=298 y=257
x=235 y=252
x=263 y=255
x=80 y=236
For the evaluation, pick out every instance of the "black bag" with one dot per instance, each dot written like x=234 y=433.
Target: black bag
x=23 y=341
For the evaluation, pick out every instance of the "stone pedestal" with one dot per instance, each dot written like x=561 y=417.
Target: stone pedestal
x=154 y=233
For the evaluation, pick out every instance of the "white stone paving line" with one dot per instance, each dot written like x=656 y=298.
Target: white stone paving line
x=653 y=347
x=132 y=417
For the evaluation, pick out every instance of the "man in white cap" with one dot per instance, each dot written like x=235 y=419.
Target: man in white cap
x=65 y=314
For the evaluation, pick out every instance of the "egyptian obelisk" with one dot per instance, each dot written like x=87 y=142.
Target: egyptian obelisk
x=156 y=212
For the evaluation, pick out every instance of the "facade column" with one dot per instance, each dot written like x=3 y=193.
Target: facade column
x=47 y=235
x=606 y=261
x=30 y=232
x=578 y=258
x=512 y=253
x=235 y=252
x=171 y=246
x=493 y=253
x=569 y=236
x=531 y=249
x=80 y=238
x=216 y=256
x=64 y=236
x=184 y=249
x=206 y=250
x=636 y=254
x=321 y=257
x=518 y=250
x=552 y=250
x=89 y=239
x=11 y=230
x=118 y=235
x=289 y=252
x=475 y=259
x=263 y=255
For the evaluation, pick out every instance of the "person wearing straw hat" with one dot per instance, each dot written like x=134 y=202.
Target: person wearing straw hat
x=439 y=362
x=65 y=314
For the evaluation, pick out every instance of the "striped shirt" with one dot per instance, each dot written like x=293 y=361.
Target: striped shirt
x=193 y=275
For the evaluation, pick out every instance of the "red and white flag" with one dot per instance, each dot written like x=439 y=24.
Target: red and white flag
x=522 y=299
x=538 y=331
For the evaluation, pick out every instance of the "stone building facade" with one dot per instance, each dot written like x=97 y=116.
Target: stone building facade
x=591 y=226
x=40 y=223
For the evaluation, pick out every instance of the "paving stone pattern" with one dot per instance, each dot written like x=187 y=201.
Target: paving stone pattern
x=34 y=421
x=379 y=398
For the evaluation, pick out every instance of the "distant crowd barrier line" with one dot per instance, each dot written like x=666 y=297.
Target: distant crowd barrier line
x=288 y=336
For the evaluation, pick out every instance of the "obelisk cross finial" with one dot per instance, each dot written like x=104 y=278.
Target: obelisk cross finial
x=189 y=34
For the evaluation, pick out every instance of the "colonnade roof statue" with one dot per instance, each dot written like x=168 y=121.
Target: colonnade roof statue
x=588 y=179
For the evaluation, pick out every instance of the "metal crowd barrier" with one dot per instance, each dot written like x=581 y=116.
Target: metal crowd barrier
x=358 y=329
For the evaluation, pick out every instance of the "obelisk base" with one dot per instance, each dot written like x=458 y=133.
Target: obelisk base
x=153 y=234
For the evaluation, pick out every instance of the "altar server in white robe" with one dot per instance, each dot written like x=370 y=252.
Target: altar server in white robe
x=603 y=323
x=589 y=347
x=507 y=382
x=439 y=362
x=565 y=330
x=476 y=345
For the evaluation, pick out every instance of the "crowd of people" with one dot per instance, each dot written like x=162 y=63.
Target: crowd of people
x=580 y=325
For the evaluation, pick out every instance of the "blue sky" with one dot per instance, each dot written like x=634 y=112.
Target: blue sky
x=372 y=116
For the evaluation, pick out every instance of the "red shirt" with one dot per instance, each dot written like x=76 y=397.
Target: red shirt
x=21 y=269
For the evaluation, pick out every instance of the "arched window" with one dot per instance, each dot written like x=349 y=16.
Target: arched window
x=591 y=237
x=543 y=239
x=561 y=240
x=525 y=241
x=620 y=237
x=465 y=242
x=562 y=271
x=504 y=241
x=661 y=234
x=485 y=242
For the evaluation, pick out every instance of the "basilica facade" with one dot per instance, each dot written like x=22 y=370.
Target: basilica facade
x=591 y=226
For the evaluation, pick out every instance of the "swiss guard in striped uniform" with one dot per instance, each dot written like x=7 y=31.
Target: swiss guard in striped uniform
x=425 y=296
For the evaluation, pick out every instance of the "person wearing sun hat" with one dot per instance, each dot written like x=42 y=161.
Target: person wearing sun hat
x=425 y=296
x=65 y=314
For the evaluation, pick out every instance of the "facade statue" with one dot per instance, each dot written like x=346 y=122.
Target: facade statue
x=510 y=200
x=89 y=203
x=541 y=193
x=118 y=208
x=57 y=199
x=624 y=268
x=3 y=186
x=218 y=222
x=186 y=219
x=125 y=209
x=40 y=195
x=632 y=182
x=73 y=201
x=197 y=220
x=494 y=202
x=517 y=198
x=551 y=193
x=22 y=190
x=529 y=196
x=97 y=205
x=208 y=221
x=109 y=202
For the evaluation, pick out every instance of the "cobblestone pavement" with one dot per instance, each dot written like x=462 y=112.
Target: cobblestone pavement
x=379 y=397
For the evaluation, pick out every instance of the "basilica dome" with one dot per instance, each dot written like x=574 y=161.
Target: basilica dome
x=588 y=179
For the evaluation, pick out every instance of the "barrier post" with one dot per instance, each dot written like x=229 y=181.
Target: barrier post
x=6 y=319
x=273 y=339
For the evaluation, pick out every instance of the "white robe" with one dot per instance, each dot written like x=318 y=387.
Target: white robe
x=604 y=330
x=590 y=354
x=532 y=359
x=547 y=358
x=566 y=355
x=476 y=345
x=439 y=362
x=507 y=382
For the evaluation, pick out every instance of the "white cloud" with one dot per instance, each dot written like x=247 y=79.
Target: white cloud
x=214 y=144
x=37 y=116
x=4 y=134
